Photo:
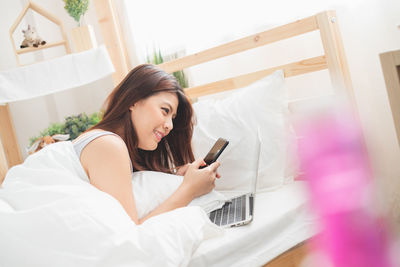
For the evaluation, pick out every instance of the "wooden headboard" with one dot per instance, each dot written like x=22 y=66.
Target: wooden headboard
x=333 y=58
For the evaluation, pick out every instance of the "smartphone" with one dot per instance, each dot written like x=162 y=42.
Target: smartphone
x=215 y=151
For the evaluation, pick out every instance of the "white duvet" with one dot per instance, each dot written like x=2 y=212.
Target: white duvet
x=51 y=216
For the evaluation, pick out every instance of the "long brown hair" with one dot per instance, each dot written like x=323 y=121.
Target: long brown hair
x=142 y=82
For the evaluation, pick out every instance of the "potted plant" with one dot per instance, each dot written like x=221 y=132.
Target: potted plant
x=82 y=37
x=72 y=127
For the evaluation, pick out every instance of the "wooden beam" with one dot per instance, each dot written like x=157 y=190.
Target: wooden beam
x=8 y=137
x=390 y=62
x=276 y=34
x=20 y=17
x=65 y=38
x=335 y=56
x=3 y=164
x=292 y=69
x=32 y=49
x=111 y=31
x=291 y=258
x=45 y=13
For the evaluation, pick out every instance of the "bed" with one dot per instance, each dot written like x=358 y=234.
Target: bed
x=279 y=234
x=299 y=225
x=275 y=230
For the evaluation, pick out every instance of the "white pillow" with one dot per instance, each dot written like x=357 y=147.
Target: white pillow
x=261 y=105
x=151 y=188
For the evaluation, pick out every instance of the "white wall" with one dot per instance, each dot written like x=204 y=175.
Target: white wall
x=34 y=115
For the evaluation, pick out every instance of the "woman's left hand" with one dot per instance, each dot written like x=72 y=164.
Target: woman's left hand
x=181 y=170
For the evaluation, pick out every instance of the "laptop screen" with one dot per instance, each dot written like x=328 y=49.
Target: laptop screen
x=257 y=151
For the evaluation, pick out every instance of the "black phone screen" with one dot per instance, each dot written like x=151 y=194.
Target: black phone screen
x=216 y=151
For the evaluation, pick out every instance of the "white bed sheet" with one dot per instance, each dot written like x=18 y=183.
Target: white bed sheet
x=282 y=219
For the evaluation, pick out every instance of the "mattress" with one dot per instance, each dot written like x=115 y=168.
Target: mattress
x=282 y=219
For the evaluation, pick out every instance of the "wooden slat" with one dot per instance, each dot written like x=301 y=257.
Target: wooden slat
x=335 y=56
x=390 y=62
x=32 y=49
x=14 y=48
x=20 y=17
x=3 y=164
x=396 y=57
x=44 y=13
x=65 y=38
x=290 y=258
x=292 y=69
x=110 y=29
x=13 y=28
x=276 y=34
x=8 y=137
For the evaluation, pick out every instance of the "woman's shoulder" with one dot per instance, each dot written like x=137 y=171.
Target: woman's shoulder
x=106 y=146
x=95 y=133
x=107 y=141
x=105 y=154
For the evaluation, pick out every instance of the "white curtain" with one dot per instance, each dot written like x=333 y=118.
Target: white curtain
x=127 y=33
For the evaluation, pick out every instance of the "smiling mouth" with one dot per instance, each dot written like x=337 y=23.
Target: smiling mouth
x=158 y=135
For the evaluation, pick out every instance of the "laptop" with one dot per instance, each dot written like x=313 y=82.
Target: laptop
x=238 y=210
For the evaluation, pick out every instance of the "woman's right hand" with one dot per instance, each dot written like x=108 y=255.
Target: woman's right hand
x=200 y=181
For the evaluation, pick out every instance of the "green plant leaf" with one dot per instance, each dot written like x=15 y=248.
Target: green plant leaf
x=76 y=8
x=73 y=125
x=158 y=59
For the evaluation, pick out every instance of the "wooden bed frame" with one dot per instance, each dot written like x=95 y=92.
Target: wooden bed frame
x=333 y=59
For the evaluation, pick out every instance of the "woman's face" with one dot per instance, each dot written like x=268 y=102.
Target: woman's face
x=152 y=118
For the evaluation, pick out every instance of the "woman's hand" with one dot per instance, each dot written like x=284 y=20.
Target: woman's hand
x=181 y=170
x=200 y=181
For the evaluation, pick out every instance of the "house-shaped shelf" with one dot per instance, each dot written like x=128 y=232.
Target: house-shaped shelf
x=48 y=16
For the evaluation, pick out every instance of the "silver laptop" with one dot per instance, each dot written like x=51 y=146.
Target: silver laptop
x=238 y=210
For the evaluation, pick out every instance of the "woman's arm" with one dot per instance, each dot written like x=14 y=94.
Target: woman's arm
x=107 y=164
x=106 y=161
x=196 y=182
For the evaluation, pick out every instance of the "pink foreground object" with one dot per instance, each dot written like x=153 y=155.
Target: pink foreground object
x=334 y=160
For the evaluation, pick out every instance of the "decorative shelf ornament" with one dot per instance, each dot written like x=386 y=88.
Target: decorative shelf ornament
x=82 y=37
x=47 y=15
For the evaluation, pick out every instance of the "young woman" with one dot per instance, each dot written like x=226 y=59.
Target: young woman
x=147 y=125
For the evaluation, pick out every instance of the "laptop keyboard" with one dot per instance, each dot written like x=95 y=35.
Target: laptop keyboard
x=231 y=212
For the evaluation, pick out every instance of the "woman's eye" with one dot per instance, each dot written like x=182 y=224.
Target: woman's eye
x=166 y=110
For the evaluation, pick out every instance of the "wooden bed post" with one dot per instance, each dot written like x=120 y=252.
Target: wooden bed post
x=113 y=39
x=334 y=52
x=10 y=152
x=3 y=164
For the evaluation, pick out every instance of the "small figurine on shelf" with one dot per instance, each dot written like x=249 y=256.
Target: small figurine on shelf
x=32 y=39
